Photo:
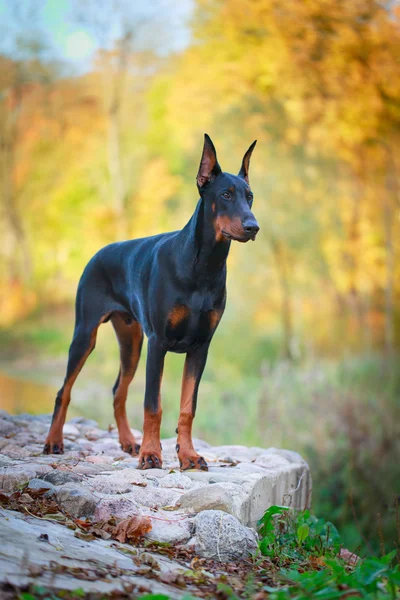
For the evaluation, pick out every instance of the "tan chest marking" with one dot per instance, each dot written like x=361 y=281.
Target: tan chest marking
x=178 y=314
x=215 y=317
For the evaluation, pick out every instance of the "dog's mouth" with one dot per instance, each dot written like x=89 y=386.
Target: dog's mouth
x=236 y=238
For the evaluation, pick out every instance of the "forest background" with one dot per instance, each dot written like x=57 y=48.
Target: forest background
x=103 y=106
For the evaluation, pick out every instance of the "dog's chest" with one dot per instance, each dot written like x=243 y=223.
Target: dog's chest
x=191 y=324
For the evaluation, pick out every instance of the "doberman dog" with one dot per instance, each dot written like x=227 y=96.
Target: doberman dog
x=172 y=287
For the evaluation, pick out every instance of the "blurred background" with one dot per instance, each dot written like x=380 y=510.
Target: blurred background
x=103 y=106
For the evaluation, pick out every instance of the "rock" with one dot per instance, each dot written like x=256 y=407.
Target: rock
x=34 y=449
x=119 y=482
x=169 y=530
x=26 y=418
x=107 y=446
x=138 y=435
x=83 y=422
x=39 y=484
x=25 y=559
x=84 y=444
x=93 y=434
x=267 y=457
x=58 y=477
x=115 y=506
x=231 y=454
x=152 y=474
x=85 y=468
x=153 y=481
x=38 y=428
x=287 y=485
x=7 y=427
x=206 y=498
x=41 y=469
x=52 y=459
x=200 y=445
x=247 y=467
x=253 y=491
x=70 y=446
x=14 y=451
x=222 y=537
x=177 y=481
x=126 y=462
x=153 y=497
x=70 y=432
x=241 y=481
x=76 y=500
x=4 y=442
x=101 y=460
x=5 y=461
x=15 y=476
x=22 y=438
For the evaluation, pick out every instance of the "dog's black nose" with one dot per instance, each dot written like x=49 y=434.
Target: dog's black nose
x=251 y=227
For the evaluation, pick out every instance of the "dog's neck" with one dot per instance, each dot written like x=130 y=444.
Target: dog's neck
x=209 y=252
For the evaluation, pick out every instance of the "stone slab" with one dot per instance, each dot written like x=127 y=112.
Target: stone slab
x=27 y=558
x=96 y=479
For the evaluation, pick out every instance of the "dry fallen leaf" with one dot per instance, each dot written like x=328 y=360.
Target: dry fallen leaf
x=55 y=517
x=132 y=528
x=83 y=524
x=36 y=493
x=25 y=499
x=175 y=576
x=87 y=537
x=349 y=557
x=100 y=533
x=148 y=559
x=4 y=498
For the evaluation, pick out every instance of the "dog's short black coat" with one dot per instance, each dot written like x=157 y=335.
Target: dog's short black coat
x=172 y=287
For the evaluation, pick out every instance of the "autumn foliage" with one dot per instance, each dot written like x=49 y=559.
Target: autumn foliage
x=112 y=153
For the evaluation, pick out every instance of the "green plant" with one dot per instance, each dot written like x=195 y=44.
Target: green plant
x=295 y=537
x=306 y=551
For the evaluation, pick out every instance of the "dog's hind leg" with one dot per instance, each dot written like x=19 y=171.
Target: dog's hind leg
x=130 y=337
x=82 y=345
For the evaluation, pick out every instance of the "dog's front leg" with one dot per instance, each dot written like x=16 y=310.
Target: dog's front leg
x=194 y=367
x=150 y=451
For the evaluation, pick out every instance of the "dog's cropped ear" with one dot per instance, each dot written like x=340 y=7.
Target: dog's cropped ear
x=244 y=169
x=209 y=167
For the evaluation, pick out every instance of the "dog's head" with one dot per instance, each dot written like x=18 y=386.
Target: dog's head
x=227 y=196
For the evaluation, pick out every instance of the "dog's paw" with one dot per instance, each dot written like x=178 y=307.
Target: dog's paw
x=131 y=448
x=53 y=448
x=193 y=462
x=150 y=461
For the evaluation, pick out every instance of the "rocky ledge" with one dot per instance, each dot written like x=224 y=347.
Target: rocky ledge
x=214 y=513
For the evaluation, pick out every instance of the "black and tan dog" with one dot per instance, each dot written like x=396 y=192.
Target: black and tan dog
x=172 y=287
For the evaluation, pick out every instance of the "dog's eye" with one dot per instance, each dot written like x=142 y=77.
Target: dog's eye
x=249 y=198
x=226 y=195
